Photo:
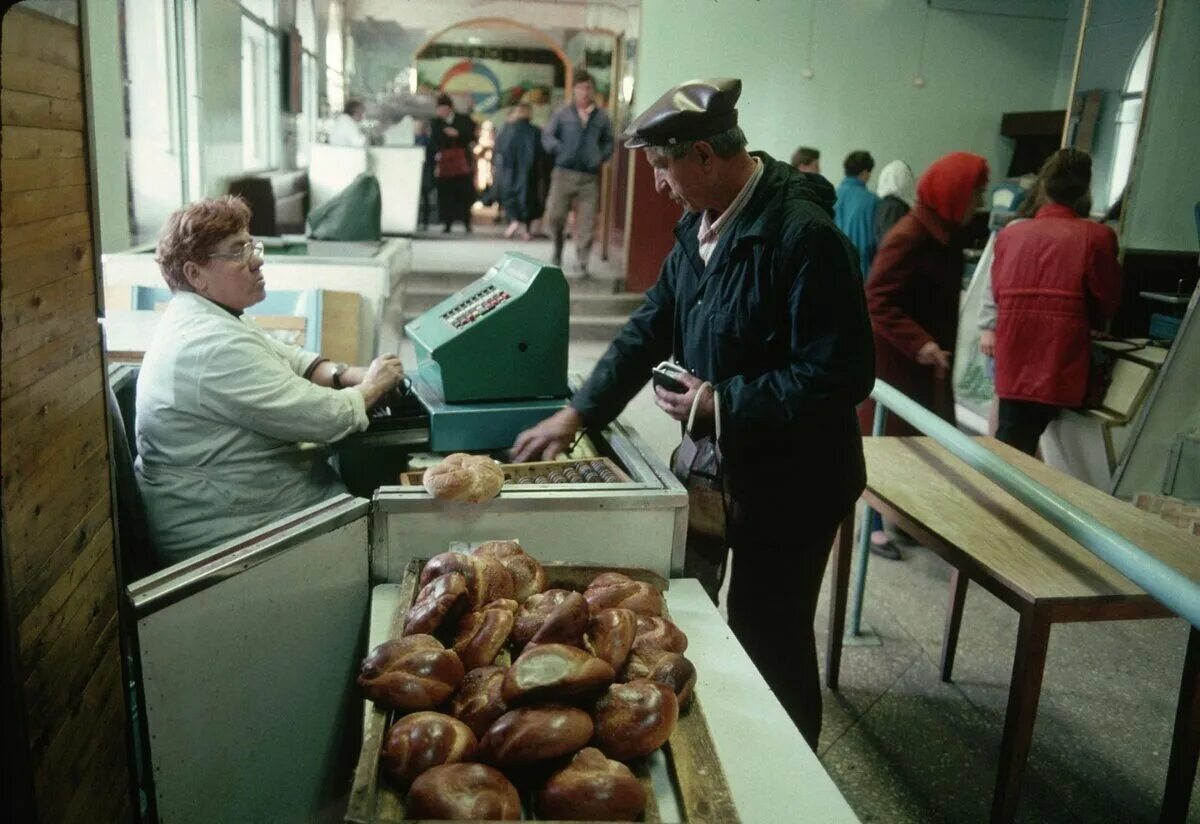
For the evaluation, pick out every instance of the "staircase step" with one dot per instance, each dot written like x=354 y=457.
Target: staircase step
x=417 y=299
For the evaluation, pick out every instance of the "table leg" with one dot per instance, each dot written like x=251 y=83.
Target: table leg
x=1029 y=662
x=958 y=596
x=1185 y=742
x=839 y=586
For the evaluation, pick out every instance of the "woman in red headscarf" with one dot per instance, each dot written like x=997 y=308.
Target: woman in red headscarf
x=913 y=294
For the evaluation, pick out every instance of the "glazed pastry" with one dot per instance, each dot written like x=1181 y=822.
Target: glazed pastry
x=463 y=792
x=610 y=635
x=528 y=576
x=635 y=719
x=554 y=672
x=423 y=740
x=414 y=673
x=498 y=549
x=659 y=633
x=506 y=604
x=441 y=600
x=532 y=734
x=486 y=578
x=481 y=636
x=613 y=589
x=466 y=478
x=556 y=616
x=678 y=673
x=478 y=702
x=592 y=788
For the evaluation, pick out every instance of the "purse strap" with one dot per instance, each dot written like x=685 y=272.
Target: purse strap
x=691 y=422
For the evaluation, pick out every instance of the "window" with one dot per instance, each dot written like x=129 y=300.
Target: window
x=1129 y=117
x=260 y=86
x=335 y=88
x=306 y=123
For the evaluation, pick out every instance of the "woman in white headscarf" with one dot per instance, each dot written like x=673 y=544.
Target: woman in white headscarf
x=897 y=191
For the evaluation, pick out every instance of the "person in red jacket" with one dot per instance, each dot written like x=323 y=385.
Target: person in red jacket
x=1055 y=278
x=913 y=295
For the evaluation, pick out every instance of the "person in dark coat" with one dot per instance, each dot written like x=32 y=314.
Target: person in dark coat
x=914 y=285
x=520 y=158
x=761 y=301
x=451 y=143
x=425 y=209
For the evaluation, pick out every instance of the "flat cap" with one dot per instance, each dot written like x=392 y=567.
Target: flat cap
x=690 y=111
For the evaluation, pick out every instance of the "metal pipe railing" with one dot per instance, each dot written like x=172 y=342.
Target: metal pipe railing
x=1165 y=584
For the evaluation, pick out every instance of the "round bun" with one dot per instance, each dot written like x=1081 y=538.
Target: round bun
x=458 y=792
x=422 y=740
x=529 y=578
x=442 y=599
x=613 y=589
x=532 y=734
x=556 y=616
x=554 y=672
x=611 y=634
x=481 y=635
x=678 y=673
x=498 y=549
x=466 y=478
x=635 y=719
x=414 y=673
x=478 y=702
x=592 y=788
x=659 y=633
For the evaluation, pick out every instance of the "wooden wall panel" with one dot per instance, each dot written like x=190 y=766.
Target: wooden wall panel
x=60 y=587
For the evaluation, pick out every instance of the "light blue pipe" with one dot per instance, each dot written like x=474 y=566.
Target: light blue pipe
x=864 y=540
x=1165 y=584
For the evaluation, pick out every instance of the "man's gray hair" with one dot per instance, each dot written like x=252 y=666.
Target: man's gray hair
x=724 y=144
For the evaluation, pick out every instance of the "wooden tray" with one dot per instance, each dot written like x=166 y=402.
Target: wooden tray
x=691 y=757
x=526 y=474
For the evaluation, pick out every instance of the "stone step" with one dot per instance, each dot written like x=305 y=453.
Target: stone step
x=583 y=327
x=417 y=299
x=451 y=282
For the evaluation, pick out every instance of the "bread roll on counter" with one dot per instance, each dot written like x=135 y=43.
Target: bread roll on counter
x=592 y=788
x=556 y=616
x=614 y=589
x=610 y=635
x=554 y=672
x=481 y=635
x=463 y=792
x=414 y=673
x=478 y=702
x=423 y=740
x=442 y=599
x=465 y=478
x=659 y=633
x=529 y=735
x=486 y=578
x=635 y=719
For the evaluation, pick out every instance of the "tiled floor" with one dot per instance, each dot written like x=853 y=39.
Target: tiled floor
x=905 y=747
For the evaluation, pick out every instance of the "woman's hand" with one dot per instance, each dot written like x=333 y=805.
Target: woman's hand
x=987 y=342
x=933 y=355
x=383 y=375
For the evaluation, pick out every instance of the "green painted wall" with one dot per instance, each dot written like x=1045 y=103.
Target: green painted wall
x=865 y=54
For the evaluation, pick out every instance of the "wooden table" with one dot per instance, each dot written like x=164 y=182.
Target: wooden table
x=990 y=537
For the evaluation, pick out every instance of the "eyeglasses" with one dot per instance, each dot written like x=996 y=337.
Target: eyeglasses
x=244 y=253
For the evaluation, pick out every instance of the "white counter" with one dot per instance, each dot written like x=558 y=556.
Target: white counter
x=773 y=774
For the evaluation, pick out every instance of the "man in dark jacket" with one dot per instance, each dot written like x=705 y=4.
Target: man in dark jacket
x=579 y=137
x=761 y=300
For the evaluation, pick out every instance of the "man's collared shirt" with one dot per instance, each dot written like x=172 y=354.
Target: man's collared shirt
x=710 y=233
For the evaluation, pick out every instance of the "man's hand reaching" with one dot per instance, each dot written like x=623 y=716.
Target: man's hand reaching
x=548 y=439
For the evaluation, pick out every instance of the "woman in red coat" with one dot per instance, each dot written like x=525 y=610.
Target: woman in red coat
x=914 y=286
x=1055 y=278
x=913 y=295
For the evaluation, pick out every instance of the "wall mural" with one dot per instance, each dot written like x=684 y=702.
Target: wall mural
x=494 y=79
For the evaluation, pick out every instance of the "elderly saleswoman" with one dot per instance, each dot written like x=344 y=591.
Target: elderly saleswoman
x=221 y=405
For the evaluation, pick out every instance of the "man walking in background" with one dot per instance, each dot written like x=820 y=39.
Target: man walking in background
x=854 y=211
x=579 y=137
